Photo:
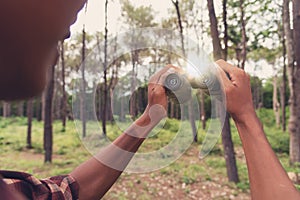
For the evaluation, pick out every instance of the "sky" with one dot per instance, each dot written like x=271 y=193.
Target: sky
x=94 y=21
x=94 y=18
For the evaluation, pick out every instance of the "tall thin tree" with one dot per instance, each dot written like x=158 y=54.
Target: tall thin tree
x=176 y=4
x=6 y=109
x=276 y=105
x=29 y=122
x=83 y=84
x=190 y=103
x=226 y=132
x=226 y=37
x=284 y=77
x=83 y=81
x=48 y=132
x=64 y=94
x=43 y=102
x=201 y=93
x=20 y=109
x=294 y=76
x=244 y=35
x=104 y=108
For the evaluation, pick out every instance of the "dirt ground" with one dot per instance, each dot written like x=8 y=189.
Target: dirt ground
x=156 y=185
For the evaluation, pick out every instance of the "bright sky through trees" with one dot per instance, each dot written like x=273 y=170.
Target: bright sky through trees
x=94 y=21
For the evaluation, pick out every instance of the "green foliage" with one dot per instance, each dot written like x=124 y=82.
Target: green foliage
x=268 y=94
x=277 y=138
x=266 y=53
x=137 y=16
x=266 y=116
x=172 y=125
x=244 y=186
x=262 y=91
x=12 y=121
x=187 y=180
x=263 y=26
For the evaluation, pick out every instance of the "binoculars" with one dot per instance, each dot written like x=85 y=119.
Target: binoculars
x=179 y=85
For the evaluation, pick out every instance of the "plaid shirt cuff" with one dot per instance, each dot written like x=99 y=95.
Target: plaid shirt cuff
x=53 y=188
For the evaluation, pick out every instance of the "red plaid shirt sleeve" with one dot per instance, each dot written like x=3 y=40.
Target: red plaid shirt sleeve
x=53 y=188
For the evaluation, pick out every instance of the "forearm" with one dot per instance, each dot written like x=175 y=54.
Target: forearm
x=268 y=179
x=98 y=174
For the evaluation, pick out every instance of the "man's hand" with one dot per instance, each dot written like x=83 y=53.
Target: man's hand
x=268 y=179
x=157 y=98
x=237 y=89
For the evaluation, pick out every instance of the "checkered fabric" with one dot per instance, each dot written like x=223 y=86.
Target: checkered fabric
x=53 y=188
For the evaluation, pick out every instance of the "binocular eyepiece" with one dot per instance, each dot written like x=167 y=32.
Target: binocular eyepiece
x=179 y=85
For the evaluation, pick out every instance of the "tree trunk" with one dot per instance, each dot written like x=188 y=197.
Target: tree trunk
x=292 y=127
x=176 y=4
x=203 y=114
x=122 y=113
x=20 y=109
x=283 y=85
x=192 y=121
x=217 y=50
x=43 y=99
x=6 y=109
x=29 y=122
x=133 y=85
x=226 y=38
x=200 y=93
x=201 y=101
x=294 y=75
x=190 y=103
x=104 y=108
x=134 y=59
x=38 y=108
x=229 y=152
x=64 y=94
x=83 y=85
x=171 y=109
x=244 y=36
x=48 y=135
x=111 y=97
x=276 y=105
x=226 y=132
x=178 y=111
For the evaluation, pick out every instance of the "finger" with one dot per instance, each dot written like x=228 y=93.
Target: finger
x=163 y=77
x=225 y=66
x=159 y=77
x=225 y=82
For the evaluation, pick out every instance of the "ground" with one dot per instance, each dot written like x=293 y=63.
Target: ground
x=163 y=185
x=186 y=178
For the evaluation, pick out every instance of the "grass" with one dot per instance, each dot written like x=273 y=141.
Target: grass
x=69 y=151
x=67 y=148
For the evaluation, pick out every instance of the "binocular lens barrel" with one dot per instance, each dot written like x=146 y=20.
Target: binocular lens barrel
x=173 y=82
x=179 y=86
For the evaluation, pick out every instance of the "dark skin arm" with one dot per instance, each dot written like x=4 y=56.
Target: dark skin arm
x=96 y=178
x=268 y=179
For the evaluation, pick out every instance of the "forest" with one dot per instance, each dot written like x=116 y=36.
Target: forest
x=99 y=86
